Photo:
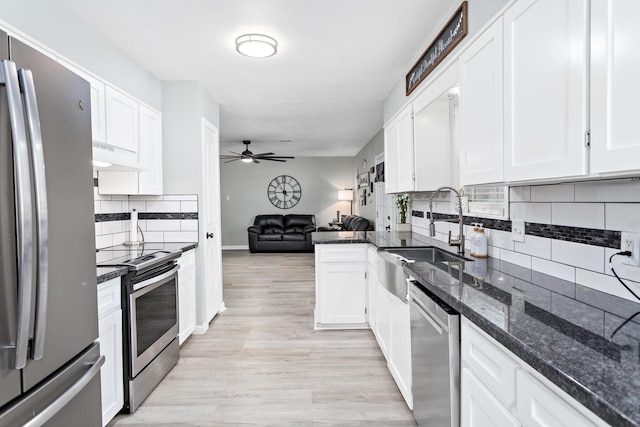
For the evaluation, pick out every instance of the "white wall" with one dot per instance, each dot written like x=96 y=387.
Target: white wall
x=52 y=24
x=244 y=191
x=369 y=152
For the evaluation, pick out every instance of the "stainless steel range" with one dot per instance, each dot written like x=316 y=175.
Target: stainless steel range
x=150 y=318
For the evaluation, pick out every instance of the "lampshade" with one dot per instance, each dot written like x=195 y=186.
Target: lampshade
x=256 y=45
x=346 y=194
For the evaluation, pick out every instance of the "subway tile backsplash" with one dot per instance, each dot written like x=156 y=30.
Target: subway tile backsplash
x=571 y=230
x=168 y=218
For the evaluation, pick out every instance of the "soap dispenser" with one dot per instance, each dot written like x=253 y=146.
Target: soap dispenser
x=480 y=249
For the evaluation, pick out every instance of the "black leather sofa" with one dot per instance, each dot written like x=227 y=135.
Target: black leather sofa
x=351 y=223
x=282 y=233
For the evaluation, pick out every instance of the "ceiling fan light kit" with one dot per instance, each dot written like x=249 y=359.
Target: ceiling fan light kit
x=256 y=45
x=248 y=157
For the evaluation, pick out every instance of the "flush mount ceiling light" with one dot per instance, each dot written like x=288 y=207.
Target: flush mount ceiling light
x=256 y=45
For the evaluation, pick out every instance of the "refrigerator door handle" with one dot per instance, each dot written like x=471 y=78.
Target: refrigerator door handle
x=24 y=210
x=67 y=396
x=41 y=211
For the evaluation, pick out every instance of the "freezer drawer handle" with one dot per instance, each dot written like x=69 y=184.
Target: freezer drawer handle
x=41 y=211
x=24 y=209
x=67 y=396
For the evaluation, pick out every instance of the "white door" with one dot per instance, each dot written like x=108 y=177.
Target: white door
x=211 y=221
x=545 y=96
x=615 y=66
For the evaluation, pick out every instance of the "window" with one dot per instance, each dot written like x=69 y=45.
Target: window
x=491 y=202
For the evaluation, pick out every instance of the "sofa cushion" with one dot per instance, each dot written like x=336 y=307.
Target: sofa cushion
x=359 y=224
x=270 y=237
x=298 y=237
x=297 y=223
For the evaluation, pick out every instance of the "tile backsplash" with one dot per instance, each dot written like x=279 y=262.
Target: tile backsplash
x=571 y=230
x=168 y=218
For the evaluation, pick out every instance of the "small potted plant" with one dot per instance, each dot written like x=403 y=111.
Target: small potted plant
x=403 y=203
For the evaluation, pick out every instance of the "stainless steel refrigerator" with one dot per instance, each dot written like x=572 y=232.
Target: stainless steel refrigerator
x=49 y=357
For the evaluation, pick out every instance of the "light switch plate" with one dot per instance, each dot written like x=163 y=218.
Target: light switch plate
x=517 y=230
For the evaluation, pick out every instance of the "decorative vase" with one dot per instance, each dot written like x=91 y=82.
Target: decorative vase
x=403 y=226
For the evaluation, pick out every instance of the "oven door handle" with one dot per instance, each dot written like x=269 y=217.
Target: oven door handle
x=156 y=279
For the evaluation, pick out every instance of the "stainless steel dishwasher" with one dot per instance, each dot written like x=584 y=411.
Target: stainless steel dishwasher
x=435 y=359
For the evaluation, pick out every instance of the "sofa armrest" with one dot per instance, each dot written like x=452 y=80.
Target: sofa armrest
x=309 y=229
x=256 y=229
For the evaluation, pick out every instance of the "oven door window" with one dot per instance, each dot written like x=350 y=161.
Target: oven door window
x=156 y=313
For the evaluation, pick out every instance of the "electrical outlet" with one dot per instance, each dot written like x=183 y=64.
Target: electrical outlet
x=630 y=242
x=517 y=230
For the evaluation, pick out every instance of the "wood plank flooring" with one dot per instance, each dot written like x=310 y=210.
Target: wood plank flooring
x=262 y=364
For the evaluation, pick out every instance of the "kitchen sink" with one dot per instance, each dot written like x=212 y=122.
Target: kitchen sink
x=428 y=254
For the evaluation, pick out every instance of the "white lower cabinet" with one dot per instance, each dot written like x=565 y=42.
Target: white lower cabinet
x=400 y=347
x=186 y=295
x=372 y=283
x=110 y=338
x=383 y=319
x=341 y=286
x=480 y=408
x=499 y=389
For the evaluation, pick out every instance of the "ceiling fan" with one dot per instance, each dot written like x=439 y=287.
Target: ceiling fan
x=248 y=157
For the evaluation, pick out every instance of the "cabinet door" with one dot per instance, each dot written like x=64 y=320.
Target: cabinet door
x=122 y=120
x=390 y=158
x=383 y=319
x=615 y=66
x=545 y=76
x=150 y=155
x=481 y=154
x=343 y=293
x=400 y=348
x=479 y=408
x=187 y=295
x=538 y=406
x=110 y=338
x=372 y=282
x=98 y=103
x=405 y=162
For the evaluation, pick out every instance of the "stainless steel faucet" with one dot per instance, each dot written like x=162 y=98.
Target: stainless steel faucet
x=432 y=227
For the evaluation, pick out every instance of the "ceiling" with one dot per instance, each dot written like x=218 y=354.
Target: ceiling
x=337 y=61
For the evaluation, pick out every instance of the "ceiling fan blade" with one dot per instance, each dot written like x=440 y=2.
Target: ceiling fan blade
x=255 y=161
x=263 y=154
x=274 y=160
x=237 y=154
x=232 y=160
x=277 y=157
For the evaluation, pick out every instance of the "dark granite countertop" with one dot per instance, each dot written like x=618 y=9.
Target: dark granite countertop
x=106 y=254
x=585 y=341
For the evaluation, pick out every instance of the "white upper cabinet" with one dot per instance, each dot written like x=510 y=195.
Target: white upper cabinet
x=545 y=97
x=481 y=113
x=615 y=142
x=122 y=120
x=433 y=132
x=150 y=156
x=98 y=114
x=398 y=153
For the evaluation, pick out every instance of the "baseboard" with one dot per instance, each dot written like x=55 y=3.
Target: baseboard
x=235 y=248
x=201 y=329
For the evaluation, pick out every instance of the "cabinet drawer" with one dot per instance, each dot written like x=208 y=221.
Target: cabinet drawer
x=342 y=253
x=109 y=297
x=539 y=406
x=489 y=363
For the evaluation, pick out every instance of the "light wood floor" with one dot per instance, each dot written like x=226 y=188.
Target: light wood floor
x=262 y=363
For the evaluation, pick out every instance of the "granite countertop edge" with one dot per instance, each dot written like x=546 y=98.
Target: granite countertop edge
x=104 y=274
x=590 y=399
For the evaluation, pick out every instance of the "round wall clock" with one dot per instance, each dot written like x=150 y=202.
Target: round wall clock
x=284 y=192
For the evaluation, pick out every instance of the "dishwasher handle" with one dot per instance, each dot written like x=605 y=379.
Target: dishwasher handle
x=429 y=318
x=428 y=314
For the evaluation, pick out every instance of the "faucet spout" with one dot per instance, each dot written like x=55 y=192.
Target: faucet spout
x=459 y=242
